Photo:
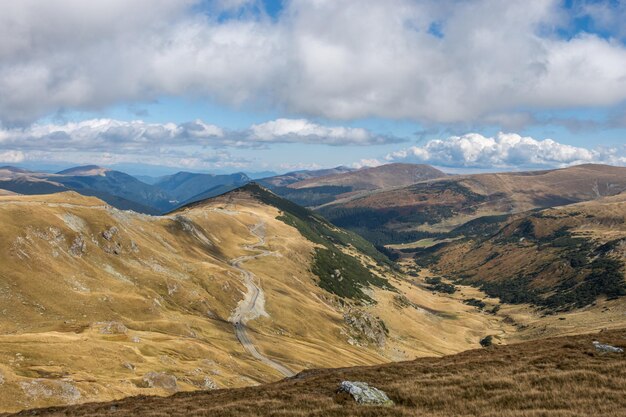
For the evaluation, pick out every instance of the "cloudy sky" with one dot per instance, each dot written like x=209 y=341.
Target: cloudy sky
x=230 y=85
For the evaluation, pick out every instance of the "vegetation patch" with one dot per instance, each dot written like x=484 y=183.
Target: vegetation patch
x=338 y=272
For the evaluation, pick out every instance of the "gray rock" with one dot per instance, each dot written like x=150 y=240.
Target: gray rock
x=112 y=327
x=109 y=233
x=160 y=380
x=364 y=394
x=79 y=246
x=600 y=347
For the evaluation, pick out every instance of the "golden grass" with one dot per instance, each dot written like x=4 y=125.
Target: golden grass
x=562 y=377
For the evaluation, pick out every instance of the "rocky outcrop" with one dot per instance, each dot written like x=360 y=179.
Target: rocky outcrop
x=600 y=347
x=363 y=394
x=112 y=327
x=161 y=380
x=365 y=329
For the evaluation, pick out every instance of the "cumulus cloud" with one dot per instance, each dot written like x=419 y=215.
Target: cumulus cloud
x=194 y=143
x=335 y=59
x=12 y=157
x=105 y=134
x=505 y=150
x=304 y=131
x=366 y=163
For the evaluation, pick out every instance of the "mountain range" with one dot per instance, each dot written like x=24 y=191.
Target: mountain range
x=214 y=281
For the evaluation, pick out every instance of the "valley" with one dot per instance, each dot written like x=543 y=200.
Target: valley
x=246 y=288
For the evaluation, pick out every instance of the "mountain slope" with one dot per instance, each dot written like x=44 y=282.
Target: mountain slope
x=184 y=186
x=325 y=189
x=559 y=259
x=552 y=378
x=98 y=303
x=375 y=178
x=284 y=180
x=431 y=208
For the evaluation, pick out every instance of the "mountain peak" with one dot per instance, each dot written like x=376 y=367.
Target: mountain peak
x=85 y=170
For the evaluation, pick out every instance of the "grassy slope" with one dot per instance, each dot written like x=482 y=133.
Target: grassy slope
x=552 y=378
x=329 y=258
x=560 y=258
x=434 y=208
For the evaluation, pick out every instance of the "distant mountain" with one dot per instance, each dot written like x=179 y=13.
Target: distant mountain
x=295 y=176
x=374 y=178
x=116 y=188
x=437 y=206
x=184 y=186
x=331 y=186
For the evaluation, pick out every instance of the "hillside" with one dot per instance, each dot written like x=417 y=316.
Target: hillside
x=98 y=304
x=560 y=259
x=186 y=186
x=284 y=180
x=116 y=188
x=324 y=189
x=375 y=178
x=434 y=208
x=555 y=377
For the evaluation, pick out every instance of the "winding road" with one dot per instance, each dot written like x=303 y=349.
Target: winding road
x=253 y=304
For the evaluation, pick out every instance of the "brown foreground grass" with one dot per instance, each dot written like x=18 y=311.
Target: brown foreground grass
x=562 y=377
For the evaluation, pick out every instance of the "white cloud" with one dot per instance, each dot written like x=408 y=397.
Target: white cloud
x=505 y=150
x=366 y=163
x=107 y=141
x=12 y=157
x=336 y=59
x=303 y=131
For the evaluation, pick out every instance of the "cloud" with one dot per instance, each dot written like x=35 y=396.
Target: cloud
x=194 y=143
x=366 y=163
x=303 y=131
x=339 y=60
x=12 y=157
x=505 y=150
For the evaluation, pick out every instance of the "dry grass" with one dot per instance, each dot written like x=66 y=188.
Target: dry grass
x=554 y=377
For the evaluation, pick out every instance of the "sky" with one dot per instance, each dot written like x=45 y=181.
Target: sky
x=159 y=86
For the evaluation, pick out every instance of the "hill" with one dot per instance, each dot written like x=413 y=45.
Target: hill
x=187 y=187
x=563 y=376
x=116 y=188
x=284 y=180
x=558 y=259
x=434 y=208
x=324 y=189
x=98 y=304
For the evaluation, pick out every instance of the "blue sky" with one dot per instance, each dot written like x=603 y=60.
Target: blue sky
x=244 y=85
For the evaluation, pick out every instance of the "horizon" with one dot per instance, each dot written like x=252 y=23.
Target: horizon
x=280 y=86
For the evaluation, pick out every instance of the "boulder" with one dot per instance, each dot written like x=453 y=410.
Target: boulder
x=600 y=347
x=160 y=380
x=364 y=394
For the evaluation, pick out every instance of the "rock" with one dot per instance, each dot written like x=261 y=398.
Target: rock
x=79 y=246
x=1 y=379
x=606 y=348
x=40 y=388
x=160 y=380
x=112 y=327
x=365 y=328
x=109 y=233
x=364 y=394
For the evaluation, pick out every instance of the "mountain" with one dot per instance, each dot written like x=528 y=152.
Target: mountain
x=374 y=178
x=99 y=304
x=116 y=188
x=324 y=189
x=553 y=377
x=558 y=259
x=184 y=186
x=434 y=208
x=284 y=180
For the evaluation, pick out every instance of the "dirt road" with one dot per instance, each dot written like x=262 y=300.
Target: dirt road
x=253 y=304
